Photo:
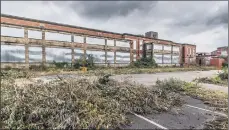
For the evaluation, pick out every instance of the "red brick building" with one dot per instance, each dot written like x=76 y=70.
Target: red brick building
x=221 y=51
x=186 y=52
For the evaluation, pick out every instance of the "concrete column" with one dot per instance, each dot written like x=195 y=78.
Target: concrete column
x=131 y=51
x=152 y=50
x=138 y=49
x=85 y=49
x=162 y=54
x=26 y=47
x=105 y=49
x=115 y=52
x=43 y=48
x=72 y=48
x=172 y=54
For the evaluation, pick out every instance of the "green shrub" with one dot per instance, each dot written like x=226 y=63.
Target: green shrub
x=37 y=67
x=225 y=64
x=89 y=63
x=60 y=64
x=224 y=74
x=8 y=67
x=144 y=62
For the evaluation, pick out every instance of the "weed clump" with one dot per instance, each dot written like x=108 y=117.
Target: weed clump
x=220 y=79
x=144 y=62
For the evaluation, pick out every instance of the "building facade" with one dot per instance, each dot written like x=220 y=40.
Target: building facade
x=39 y=42
x=221 y=51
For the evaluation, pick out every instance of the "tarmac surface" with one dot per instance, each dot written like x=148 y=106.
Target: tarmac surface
x=192 y=115
x=150 y=79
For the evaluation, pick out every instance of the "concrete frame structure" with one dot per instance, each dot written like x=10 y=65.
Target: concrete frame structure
x=45 y=26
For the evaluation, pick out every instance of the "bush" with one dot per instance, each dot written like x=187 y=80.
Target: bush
x=224 y=74
x=225 y=64
x=145 y=62
x=88 y=63
x=60 y=65
x=37 y=67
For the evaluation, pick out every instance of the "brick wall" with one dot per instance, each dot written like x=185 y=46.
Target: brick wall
x=189 y=54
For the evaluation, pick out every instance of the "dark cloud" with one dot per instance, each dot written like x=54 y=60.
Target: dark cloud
x=220 y=17
x=107 y=9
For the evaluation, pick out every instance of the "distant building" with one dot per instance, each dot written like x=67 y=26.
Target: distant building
x=188 y=54
x=221 y=52
x=151 y=34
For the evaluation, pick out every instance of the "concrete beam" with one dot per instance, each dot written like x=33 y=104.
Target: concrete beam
x=60 y=44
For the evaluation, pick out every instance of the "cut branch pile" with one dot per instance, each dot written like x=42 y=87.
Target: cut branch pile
x=79 y=103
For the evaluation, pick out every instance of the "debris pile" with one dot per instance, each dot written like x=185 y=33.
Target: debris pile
x=79 y=103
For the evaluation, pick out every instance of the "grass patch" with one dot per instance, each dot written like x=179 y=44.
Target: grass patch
x=213 y=80
x=77 y=103
x=220 y=79
x=34 y=72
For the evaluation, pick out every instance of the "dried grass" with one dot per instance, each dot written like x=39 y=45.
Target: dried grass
x=79 y=103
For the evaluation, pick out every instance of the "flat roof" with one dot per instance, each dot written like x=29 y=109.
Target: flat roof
x=188 y=44
x=222 y=47
x=55 y=23
x=145 y=37
x=67 y=25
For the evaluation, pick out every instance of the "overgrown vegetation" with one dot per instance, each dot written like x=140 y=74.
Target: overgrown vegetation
x=215 y=99
x=225 y=64
x=89 y=62
x=77 y=103
x=220 y=79
x=144 y=63
x=61 y=65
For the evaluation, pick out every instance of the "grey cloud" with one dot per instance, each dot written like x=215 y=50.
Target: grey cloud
x=204 y=18
x=107 y=9
x=221 y=17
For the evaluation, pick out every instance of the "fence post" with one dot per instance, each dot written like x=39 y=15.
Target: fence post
x=26 y=48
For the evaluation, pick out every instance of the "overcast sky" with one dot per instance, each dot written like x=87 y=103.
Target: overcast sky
x=202 y=23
